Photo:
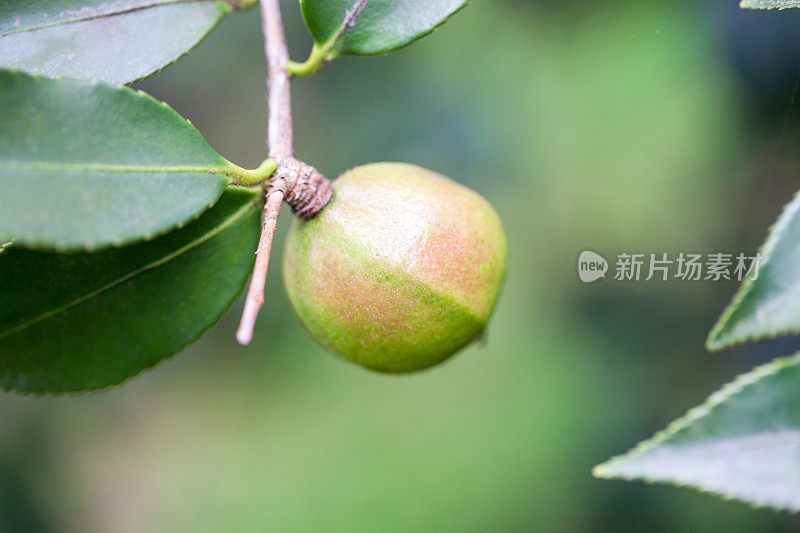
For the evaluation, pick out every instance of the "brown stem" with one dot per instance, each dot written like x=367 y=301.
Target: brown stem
x=280 y=142
x=258 y=283
x=279 y=147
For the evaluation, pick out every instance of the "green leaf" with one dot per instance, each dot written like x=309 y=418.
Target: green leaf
x=769 y=4
x=380 y=27
x=75 y=322
x=743 y=443
x=119 y=42
x=84 y=165
x=769 y=305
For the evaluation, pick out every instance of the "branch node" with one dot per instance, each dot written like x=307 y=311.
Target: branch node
x=308 y=191
x=279 y=145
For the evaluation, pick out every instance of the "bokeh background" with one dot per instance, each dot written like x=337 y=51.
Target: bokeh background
x=633 y=126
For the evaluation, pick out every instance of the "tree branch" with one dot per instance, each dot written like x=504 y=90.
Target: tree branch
x=279 y=128
x=280 y=148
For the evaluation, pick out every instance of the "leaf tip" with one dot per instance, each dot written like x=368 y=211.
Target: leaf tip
x=713 y=342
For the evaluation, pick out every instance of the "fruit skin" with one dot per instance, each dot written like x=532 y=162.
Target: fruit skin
x=400 y=271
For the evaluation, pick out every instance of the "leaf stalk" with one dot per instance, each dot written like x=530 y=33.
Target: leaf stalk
x=250 y=178
x=322 y=54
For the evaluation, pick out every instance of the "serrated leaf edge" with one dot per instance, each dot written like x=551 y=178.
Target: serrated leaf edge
x=136 y=93
x=153 y=4
x=774 y=234
x=606 y=470
x=224 y=10
x=338 y=34
x=227 y=169
x=155 y=264
x=746 y=4
x=418 y=37
x=238 y=215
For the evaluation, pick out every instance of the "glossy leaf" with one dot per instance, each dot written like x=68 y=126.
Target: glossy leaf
x=85 y=165
x=768 y=305
x=380 y=27
x=769 y=4
x=743 y=443
x=75 y=322
x=119 y=42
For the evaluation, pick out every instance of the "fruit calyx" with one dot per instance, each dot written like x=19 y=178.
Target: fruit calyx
x=308 y=192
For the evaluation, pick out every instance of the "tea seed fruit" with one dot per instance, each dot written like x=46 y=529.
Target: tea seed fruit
x=400 y=271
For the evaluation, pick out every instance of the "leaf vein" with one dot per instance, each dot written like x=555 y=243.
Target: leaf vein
x=155 y=3
x=154 y=264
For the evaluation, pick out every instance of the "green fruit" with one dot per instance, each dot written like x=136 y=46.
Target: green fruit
x=400 y=271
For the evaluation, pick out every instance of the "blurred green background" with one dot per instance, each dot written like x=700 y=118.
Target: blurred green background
x=634 y=126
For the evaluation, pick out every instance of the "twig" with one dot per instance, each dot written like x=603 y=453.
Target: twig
x=279 y=147
x=279 y=128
